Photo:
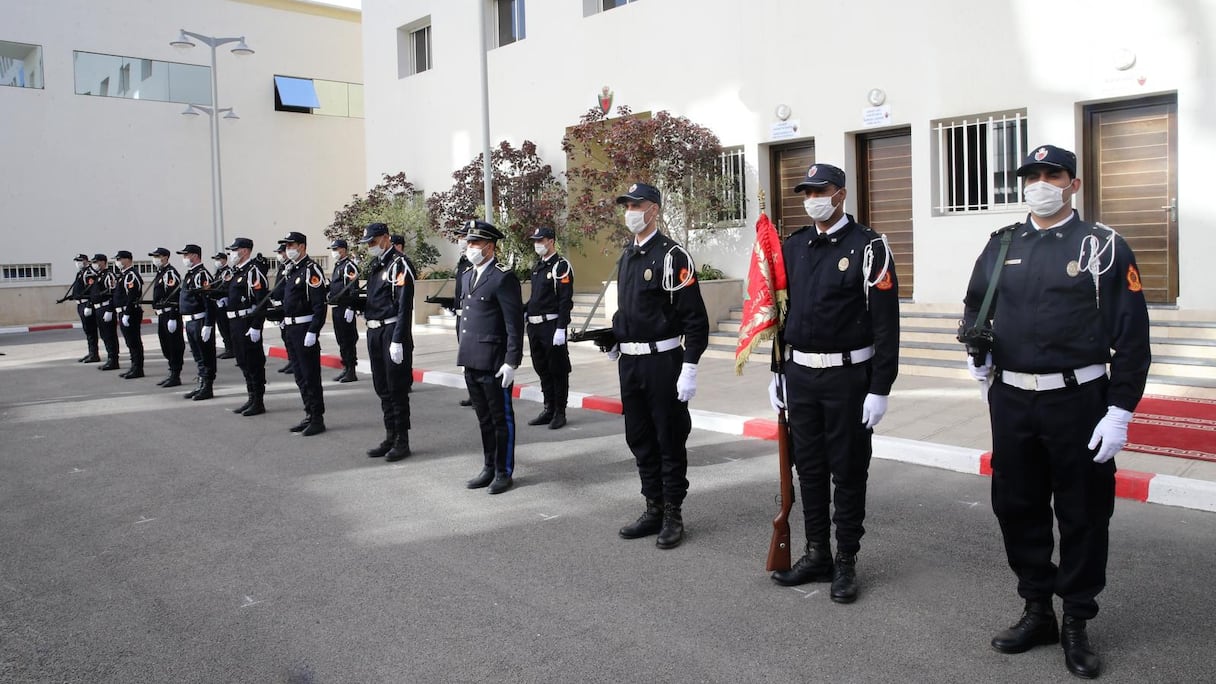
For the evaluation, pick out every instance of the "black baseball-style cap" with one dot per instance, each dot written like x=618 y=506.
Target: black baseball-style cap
x=543 y=234
x=373 y=231
x=240 y=242
x=101 y=257
x=480 y=230
x=191 y=249
x=123 y=254
x=159 y=252
x=398 y=240
x=281 y=248
x=220 y=255
x=641 y=191
x=81 y=257
x=339 y=243
x=820 y=175
x=296 y=237
x=1050 y=156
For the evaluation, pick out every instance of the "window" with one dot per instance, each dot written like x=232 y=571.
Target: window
x=735 y=189
x=294 y=95
x=20 y=65
x=10 y=273
x=977 y=158
x=414 y=47
x=145 y=268
x=421 y=40
x=510 y=14
x=159 y=81
x=596 y=6
x=318 y=96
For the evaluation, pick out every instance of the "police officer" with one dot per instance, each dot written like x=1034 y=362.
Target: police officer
x=841 y=346
x=165 y=289
x=102 y=299
x=129 y=312
x=659 y=303
x=282 y=269
x=198 y=316
x=390 y=340
x=247 y=288
x=344 y=290
x=1068 y=293
x=86 y=275
x=548 y=310
x=222 y=276
x=490 y=350
x=304 y=310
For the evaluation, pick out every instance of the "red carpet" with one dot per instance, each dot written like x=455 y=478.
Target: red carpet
x=1174 y=426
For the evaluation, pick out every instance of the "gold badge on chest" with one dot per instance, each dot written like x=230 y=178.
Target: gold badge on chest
x=843 y=264
x=1072 y=269
x=647 y=275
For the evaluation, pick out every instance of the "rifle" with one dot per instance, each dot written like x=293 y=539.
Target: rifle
x=779 y=545
x=448 y=303
x=602 y=337
x=340 y=299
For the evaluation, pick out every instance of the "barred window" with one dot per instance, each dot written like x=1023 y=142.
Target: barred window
x=735 y=187
x=977 y=157
x=11 y=273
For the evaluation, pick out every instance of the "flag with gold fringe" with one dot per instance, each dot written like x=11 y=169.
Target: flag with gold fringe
x=767 y=296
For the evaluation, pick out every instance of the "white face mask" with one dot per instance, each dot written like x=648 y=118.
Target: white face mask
x=540 y=248
x=186 y=262
x=293 y=254
x=217 y=263
x=474 y=255
x=820 y=208
x=80 y=265
x=336 y=255
x=635 y=220
x=1044 y=199
x=375 y=250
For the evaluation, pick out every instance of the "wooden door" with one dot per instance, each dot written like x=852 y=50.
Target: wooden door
x=789 y=166
x=1131 y=184
x=884 y=195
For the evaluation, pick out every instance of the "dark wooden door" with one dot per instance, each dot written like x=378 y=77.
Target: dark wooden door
x=1131 y=184
x=884 y=195
x=789 y=166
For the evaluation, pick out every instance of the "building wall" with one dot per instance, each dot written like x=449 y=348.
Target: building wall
x=99 y=174
x=728 y=64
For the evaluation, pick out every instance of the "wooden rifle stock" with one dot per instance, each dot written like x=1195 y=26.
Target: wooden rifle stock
x=779 y=546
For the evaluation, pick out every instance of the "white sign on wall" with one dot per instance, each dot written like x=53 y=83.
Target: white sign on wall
x=876 y=116
x=783 y=130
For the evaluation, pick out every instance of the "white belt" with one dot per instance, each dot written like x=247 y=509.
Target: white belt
x=373 y=324
x=644 y=348
x=458 y=312
x=194 y=317
x=297 y=320
x=160 y=312
x=818 y=360
x=1053 y=381
x=242 y=312
x=542 y=318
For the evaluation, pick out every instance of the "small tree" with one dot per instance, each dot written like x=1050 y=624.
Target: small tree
x=395 y=202
x=682 y=159
x=525 y=194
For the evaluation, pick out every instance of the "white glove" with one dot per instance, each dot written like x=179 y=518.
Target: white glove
x=125 y=320
x=1111 y=433
x=350 y=316
x=396 y=352
x=872 y=411
x=88 y=311
x=614 y=353
x=255 y=335
x=777 y=401
x=559 y=337
x=206 y=333
x=980 y=373
x=107 y=316
x=507 y=373
x=171 y=325
x=223 y=302
x=310 y=338
x=686 y=384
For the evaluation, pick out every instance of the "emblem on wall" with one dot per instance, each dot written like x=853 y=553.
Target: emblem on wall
x=605 y=100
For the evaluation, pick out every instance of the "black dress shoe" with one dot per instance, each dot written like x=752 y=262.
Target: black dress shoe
x=228 y=354
x=466 y=402
x=285 y=369
x=401 y=449
x=559 y=420
x=339 y=376
x=89 y=358
x=110 y=365
x=300 y=426
x=315 y=427
x=1079 y=656
x=844 y=578
x=134 y=373
x=502 y=482
x=543 y=419
x=1037 y=627
x=814 y=566
x=123 y=375
x=483 y=479
x=172 y=381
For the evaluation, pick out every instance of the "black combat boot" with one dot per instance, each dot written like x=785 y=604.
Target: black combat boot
x=814 y=566
x=303 y=424
x=135 y=372
x=258 y=407
x=559 y=419
x=1037 y=627
x=205 y=392
x=174 y=379
x=315 y=426
x=198 y=387
x=110 y=364
x=544 y=418
x=349 y=374
x=384 y=447
x=248 y=399
x=844 y=578
x=227 y=354
x=339 y=376
x=672 y=532
x=401 y=447
x=1079 y=656
x=648 y=523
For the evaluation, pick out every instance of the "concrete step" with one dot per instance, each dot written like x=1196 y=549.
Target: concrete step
x=445 y=321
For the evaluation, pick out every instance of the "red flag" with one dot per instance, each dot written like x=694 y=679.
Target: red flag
x=767 y=296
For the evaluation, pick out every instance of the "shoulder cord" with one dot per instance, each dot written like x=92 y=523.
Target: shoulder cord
x=1093 y=263
x=557 y=275
x=688 y=278
x=867 y=262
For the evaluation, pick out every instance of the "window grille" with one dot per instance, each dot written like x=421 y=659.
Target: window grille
x=10 y=273
x=977 y=158
x=734 y=181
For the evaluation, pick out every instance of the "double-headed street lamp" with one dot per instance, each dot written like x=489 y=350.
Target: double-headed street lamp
x=217 y=193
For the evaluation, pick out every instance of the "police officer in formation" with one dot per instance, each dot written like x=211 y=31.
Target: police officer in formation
x=548 y=311
x=304 y=310
x=86 y=275
x=390 y=341
x=662 y=329
x=841 y=346
x=282 y=268
x=248 y=287
x=165 y=289
x=1067 y=293
x=222 y=275
x=343 y=291
x=490 y=350
x=130 y=314
x=102 y=299
x=198 y=314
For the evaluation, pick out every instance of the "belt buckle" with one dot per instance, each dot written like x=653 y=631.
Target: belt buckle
x=817 y=359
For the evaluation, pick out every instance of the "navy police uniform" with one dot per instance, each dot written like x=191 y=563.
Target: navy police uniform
x=281 y=270
x=248 y=288
x=304 y=311
x=101 y=297
x=344 y=290
x=165 y=289
x=130 y=315
x=198 y=314
x=85 y=277
x=548 y=310
x=223 y=276
x=389 y=312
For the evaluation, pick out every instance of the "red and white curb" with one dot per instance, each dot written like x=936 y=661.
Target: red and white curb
x=50 y=326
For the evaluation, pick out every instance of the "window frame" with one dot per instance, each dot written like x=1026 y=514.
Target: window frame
x=732 y=169
x=9 y=275
x=33 y=79
x=518 y=26
x=974 y=159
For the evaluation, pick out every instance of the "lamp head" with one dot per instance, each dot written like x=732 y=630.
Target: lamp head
x=242 y=49
x=231 y=115
x=183 y=41
x=189 y=111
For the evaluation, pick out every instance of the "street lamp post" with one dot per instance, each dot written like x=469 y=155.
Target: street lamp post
x=217 y=192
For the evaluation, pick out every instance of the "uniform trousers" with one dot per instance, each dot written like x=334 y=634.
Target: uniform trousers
x=656 y=423
x=495 y=417
x=250 y=355
x=172 y=344
x=202 y=351
x=223 y=327
x=347 y=335
x=1041 y=460
x=108 y=332
x=132 y=336
x=831 y=449
x=307 y=364
x=291 y=361
x=88 y=323
x=391 y=380
x=551 y=363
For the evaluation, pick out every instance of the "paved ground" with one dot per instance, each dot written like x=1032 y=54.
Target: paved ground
x=150 y=539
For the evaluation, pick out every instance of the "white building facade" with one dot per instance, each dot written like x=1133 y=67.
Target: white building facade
x=927 y=106
x=101 y=159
